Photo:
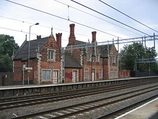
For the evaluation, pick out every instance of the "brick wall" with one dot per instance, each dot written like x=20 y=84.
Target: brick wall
x=6 y=78
x=68 y=76
x=124 y=73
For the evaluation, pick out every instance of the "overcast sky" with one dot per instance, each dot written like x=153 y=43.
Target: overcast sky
x=15 y=19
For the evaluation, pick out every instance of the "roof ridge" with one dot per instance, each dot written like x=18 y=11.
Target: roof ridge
x=40 y=38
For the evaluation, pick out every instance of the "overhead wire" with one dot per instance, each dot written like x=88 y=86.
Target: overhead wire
x=17 y=30
x=32 y=23
x=108 y=17
x=60 y=17
x=13 y=29
x=15 y=19
x=91 y=15
x=128 y=16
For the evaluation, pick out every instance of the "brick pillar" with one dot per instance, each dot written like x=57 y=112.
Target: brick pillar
x=58 y=38
x=94 y=36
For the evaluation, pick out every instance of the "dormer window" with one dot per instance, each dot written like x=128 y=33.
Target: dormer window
x=51 y=54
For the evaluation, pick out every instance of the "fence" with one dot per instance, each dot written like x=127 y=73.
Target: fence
x=140 y=74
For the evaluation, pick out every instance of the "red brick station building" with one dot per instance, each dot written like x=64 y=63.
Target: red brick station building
x=44 y=61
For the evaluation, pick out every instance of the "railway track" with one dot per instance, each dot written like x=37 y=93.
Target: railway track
x=107 y=98
x=126 y=109
x=52 y=97
x=86 y=110
x=31 y=96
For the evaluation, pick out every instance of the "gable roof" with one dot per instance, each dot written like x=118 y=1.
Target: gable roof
x=35 y=46
x=71 y=62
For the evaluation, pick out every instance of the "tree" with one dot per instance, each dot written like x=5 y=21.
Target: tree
x=137 y=57
x=7 y=48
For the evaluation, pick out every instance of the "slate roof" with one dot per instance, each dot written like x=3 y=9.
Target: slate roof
x=77 y=42
x=71 y=62
x=35 y=46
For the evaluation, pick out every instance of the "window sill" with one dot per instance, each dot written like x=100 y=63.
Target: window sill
x=50 y=60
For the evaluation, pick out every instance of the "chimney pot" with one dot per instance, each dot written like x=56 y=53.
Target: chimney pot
x=38 y=36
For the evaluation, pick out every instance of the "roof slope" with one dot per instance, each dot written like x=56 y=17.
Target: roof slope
x=71 y=62
x=35 y=46
x=77 y=42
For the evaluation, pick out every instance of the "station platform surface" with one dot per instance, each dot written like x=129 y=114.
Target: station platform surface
x=148 y=110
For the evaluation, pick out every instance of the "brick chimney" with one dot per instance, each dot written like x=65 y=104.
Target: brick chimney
x=94 y=36
x=38 y=36
x=58 y=38
x=72 y=35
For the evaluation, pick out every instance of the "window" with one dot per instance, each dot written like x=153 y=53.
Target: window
x=113 y=60
x=55 y=76
x=93 y=74
x=89 y=57
x=46 y=75
x=51 y=55
x=98 y=58
x=100 y=73
x=74 y=76
x=86 y=73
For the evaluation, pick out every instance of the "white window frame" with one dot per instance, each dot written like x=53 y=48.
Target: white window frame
x=86 y=73
x=46 y=75
x=51 y=55
x=93 y=74
x=89 y=57
x=100 y=73
x=98 y=58
x=57 y=71
x=113 y=60
x=74 y=79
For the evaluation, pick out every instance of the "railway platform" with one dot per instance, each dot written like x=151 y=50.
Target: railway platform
x=148 y=110
x=8 y=91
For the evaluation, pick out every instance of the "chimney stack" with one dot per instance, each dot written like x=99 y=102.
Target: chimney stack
x=38 y=36
x=72 y=34
x=58 y=38
x=94 y=36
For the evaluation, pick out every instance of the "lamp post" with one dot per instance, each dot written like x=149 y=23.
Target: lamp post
x=29 y=50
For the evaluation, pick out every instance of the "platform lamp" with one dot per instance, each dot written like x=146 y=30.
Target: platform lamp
x=29 y=50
